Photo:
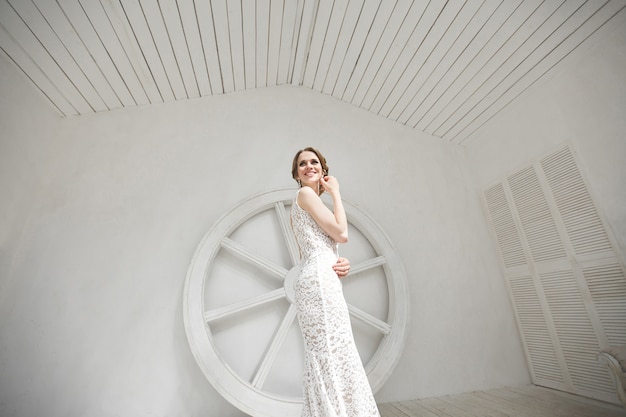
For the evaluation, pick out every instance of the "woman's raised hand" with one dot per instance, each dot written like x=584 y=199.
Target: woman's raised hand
x=330 y=184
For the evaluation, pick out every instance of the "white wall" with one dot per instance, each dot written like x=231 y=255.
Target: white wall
x=28 y=130
x=92 y=306
x=583 y=103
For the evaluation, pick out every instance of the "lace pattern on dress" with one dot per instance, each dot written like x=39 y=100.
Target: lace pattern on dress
x=335 y=383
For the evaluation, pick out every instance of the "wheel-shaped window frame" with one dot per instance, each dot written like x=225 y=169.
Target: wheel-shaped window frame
x=248 y=396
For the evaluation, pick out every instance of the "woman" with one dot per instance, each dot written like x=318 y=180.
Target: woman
x=335 y=383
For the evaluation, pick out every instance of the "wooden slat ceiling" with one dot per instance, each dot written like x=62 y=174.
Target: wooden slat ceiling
x=442 y=67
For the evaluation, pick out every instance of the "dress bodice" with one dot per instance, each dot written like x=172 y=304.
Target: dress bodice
x=312 y=239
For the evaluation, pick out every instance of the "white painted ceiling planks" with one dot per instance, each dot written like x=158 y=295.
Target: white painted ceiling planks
x=441 y=67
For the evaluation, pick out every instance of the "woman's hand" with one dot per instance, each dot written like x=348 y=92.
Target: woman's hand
x=342 y=267
x=329 y=184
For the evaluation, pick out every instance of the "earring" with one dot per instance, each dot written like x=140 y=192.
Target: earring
x=299 y=183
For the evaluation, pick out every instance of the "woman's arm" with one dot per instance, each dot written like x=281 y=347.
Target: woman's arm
x=332 y=222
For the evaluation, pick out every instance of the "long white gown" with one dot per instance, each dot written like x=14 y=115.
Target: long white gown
x=335 y=383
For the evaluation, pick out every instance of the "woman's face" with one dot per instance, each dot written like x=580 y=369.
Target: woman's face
x=309 y=169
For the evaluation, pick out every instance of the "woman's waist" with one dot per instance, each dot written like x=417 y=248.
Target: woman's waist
x=329 y=256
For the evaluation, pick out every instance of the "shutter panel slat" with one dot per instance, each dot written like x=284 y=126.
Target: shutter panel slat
x=542 y=354
x=537 y=222
x=607 y=286
x=506 y=233
x=583 y=225
x=575 y=331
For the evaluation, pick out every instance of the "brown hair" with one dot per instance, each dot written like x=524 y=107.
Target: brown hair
x=294 y=164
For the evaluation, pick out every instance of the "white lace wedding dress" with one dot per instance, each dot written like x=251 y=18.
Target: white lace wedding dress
x=335 y=383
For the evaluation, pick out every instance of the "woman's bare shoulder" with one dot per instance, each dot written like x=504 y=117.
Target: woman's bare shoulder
x=306 y=196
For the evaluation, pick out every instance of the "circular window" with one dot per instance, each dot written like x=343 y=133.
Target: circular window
x=238 y=307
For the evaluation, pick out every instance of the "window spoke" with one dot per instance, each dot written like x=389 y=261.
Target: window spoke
x=370 y=263
x=222 y=312
x=377 y=323
x=272 y=352
x=238 y=250
x=285 y=226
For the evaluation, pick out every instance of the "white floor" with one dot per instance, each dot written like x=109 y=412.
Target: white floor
x=528 y=401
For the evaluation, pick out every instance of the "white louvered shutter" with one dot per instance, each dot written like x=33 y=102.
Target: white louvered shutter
x=564 y=275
